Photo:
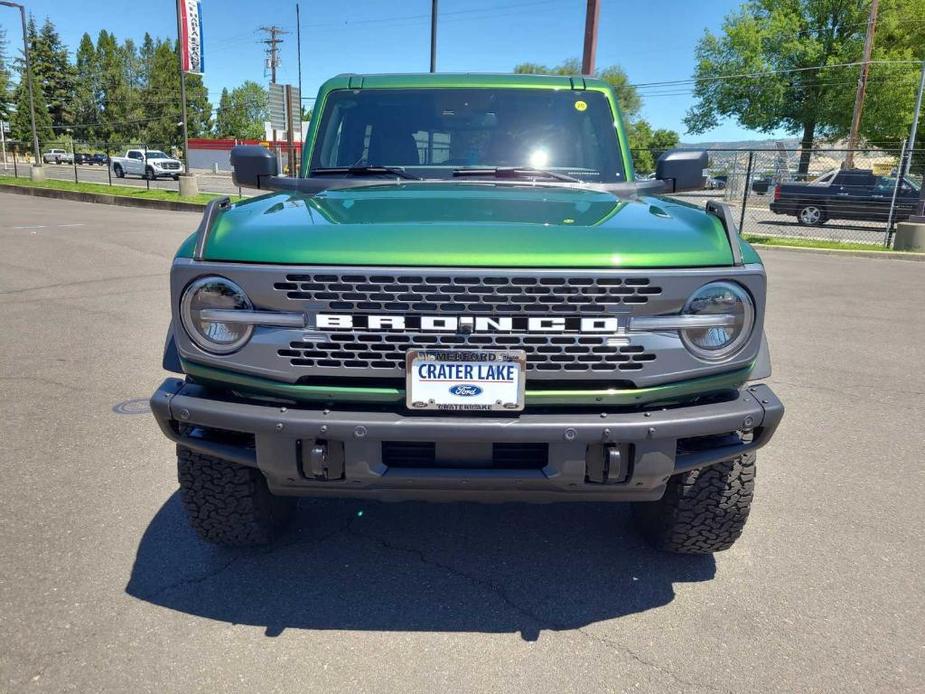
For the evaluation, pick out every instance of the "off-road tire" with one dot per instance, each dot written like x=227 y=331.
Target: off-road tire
x=703 y=511
x=117 y=170
x=227 y=503
x=148 y=174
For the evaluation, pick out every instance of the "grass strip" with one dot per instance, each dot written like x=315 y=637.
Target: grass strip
x=120 y=191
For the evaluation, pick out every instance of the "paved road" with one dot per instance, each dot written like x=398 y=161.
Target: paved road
x=104 y=589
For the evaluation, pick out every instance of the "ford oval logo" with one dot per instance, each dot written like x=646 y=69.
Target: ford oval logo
x=466 y=390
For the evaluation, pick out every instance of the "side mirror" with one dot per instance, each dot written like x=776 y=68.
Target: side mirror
x=251 y=163
x=683 y=169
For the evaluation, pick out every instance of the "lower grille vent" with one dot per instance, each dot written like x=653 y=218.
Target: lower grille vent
x=499 y=456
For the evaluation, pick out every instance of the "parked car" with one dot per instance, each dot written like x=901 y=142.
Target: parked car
x=57 y=156
x=149 y=164
x=100 y=159
x=716 y=182
x=846 y=194
x=83 y=158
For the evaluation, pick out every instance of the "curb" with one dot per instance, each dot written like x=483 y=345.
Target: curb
x=883 y=255
x=102 y=198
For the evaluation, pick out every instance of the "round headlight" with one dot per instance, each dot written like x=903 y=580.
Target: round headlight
x=734 y=314
x=216 y=336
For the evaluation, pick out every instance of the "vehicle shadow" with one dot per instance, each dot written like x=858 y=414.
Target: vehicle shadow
x=416 y=567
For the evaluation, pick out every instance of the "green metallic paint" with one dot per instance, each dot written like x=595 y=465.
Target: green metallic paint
x=466 y=224
x=664 y=394
x=440 y=223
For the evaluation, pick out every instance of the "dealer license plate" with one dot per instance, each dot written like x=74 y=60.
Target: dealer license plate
x=463 y=379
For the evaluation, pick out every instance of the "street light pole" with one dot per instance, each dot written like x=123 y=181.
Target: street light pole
x=25 y=47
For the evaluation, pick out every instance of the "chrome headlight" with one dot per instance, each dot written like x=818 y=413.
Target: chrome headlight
x=728 y=318
x=218 y=295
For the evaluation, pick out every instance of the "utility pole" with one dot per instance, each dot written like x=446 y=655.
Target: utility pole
x=25 y=50
x=591 y=16
x=433 y=35
x=904 y=170
x=272 y=41
x=862 y=85
x=298 y=50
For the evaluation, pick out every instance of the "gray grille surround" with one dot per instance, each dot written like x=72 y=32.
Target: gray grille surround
x=299 y=355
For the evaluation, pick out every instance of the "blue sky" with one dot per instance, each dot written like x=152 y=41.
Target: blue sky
x=653 y=41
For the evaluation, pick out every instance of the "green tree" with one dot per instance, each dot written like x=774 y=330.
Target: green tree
x=117 y=117
x=242 y=111
x=630 y=101
x=86 y=104
x=54 y=73
x=780 y=64
x=161 y=99
x=648 y=145
x=21 y=122
x=6 y=95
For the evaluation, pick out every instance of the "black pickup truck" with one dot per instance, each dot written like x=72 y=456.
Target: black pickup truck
x=846 y=194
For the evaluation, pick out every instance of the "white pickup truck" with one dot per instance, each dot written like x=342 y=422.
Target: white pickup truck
x=149 y=164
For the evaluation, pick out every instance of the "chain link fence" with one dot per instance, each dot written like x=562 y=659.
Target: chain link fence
x=108 y=163
x=829 y=194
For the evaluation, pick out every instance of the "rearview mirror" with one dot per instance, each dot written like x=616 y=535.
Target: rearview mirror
x=683 y=169
x=251 y=163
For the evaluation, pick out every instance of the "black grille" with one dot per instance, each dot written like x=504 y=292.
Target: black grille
x=545 y=353
x=490 y=294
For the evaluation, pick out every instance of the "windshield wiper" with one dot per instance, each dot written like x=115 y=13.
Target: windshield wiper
x=516 y=172
x=364 y=171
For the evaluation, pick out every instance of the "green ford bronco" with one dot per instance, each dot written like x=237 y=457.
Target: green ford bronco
x=466 y=296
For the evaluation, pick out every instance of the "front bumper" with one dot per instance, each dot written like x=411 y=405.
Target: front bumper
x=651 y=446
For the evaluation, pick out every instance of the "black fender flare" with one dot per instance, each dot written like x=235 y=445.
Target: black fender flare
x=171 y=358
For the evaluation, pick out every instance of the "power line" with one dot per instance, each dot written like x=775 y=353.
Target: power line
x=770 y=73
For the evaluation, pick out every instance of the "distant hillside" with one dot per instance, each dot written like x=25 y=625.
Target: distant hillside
x=788 y=143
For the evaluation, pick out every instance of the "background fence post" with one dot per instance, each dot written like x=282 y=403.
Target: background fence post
x=144 y=169
x=900 y=175
x=108 y=162
x=15 y=168
x=748 y=184
x=74 y=159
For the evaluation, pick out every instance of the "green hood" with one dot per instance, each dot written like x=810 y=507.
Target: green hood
x=468 y=224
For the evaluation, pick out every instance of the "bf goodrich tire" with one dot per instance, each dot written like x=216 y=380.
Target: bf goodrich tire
x=227 y=503
x=703 y=511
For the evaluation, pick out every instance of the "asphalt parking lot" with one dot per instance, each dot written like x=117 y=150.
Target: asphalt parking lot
x=103 y=588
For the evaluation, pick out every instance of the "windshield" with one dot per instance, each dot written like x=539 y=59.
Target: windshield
x=433 y=132
x=156 y=154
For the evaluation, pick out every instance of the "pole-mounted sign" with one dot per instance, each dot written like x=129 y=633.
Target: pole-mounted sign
x=191 y=53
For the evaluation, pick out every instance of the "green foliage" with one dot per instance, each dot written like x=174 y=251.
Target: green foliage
x=630 y=102
x=795 y=46
x=6 y=95
x=54 y=74
x=241 y=112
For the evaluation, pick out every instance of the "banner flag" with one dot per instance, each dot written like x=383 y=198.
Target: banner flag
x=191 y=52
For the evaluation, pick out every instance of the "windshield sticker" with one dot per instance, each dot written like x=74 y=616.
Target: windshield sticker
x=580 y=105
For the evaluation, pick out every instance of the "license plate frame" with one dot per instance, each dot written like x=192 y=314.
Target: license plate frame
x=494 y=394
